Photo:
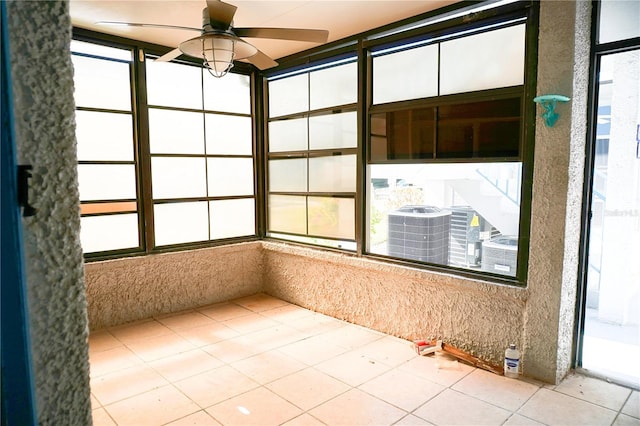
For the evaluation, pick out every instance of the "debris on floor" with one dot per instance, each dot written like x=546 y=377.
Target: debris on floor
x=427 y=347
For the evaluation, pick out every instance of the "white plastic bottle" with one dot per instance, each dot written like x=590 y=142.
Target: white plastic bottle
x=511 y=362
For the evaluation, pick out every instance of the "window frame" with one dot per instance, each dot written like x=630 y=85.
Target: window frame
x=142 y=153
x=416 y=29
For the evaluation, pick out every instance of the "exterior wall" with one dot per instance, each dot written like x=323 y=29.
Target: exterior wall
x=563 y=66
x=134 y=288
x=39 y=36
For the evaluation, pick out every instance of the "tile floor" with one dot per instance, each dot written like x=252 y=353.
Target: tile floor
x=262 y=361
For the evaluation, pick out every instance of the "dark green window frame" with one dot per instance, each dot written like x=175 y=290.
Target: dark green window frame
x=142 y=157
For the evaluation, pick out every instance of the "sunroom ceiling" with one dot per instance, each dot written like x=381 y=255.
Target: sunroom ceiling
x=340 y=18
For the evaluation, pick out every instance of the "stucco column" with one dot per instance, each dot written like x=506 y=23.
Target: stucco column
x=563 y=68
x=39 y=37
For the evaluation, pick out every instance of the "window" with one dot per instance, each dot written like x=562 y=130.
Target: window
x=201 y=158
x=110 y=213
x=312 y=156
x=182 y=152
x=445 y=149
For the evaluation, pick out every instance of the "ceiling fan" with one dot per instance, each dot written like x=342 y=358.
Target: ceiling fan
x=219 y=43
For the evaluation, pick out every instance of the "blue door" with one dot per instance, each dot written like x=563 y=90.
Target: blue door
x=18 y=407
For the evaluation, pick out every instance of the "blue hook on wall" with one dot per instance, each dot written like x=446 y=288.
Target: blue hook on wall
x=548 y=102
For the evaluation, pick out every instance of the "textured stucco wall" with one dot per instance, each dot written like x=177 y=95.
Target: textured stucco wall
x=563 y=66
x=478 y=317
x=39 y=36
x=134 y=288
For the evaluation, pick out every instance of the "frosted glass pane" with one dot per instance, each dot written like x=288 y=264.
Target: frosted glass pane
x=332 y=217
x=101 y=84
x=410 y=74
x=483 y=61
x=232 y=218
x=229 y=94
x=100 y=50
x=175 y=132
x=288 y=175
x=289 y=95
x=106 y=181
x=619 y=20
x=332 y=174
x=110 y=232
x=230 y=176
x=104 y=136
x=288 y=214
x=288 y=135
x=178 y=177
x=181 y=223
x=175 y=85
x=333 y=131
x=228 y=134
x=334 y=86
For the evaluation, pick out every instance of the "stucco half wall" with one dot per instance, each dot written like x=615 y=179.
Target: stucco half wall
x=479 y=317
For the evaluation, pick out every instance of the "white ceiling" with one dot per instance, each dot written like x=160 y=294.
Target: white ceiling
x=340 y=18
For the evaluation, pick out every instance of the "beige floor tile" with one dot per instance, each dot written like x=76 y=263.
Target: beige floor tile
x=402 y=389
x=102 y=340
x=276 y=336
x=139 y=330
x=156 y=407
x=353 y=368
x=389 y=350
x=102 y=418
x=201 y=418
x=154 y=348
x=249 y=323
x=112 y=360
x=267 y=367
x=313 y=350
x=208 y=334
x=624 y=420
x=215 y=386
x=234 y=349
x=257 y=407
x=185 y=320
x=357 y=408
x=444 y=373
x=287 y=314
x=304 y=420
x=504 y=392
x=224 y=311
x=453 y=408
x=126 y=383
x=308 y=388
x=352 y=336
x=260 y=302
x=632 y=406
x=95 y=404
x=411 y=420
x=518 y=420
x=555 y=408
x=317 y=324
x=593 y=390
x=186 y=364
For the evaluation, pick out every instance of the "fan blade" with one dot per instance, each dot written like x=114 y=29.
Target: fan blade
x=261 y=61
x=135 y=24
x=220 y=14
x=170 y=55
x=316 y=36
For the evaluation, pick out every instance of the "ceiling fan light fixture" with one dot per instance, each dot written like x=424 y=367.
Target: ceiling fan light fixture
x=218 y=54
x=218 y=50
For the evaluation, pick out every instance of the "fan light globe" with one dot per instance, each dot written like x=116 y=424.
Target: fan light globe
x=218 y=51
x=218 y=55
